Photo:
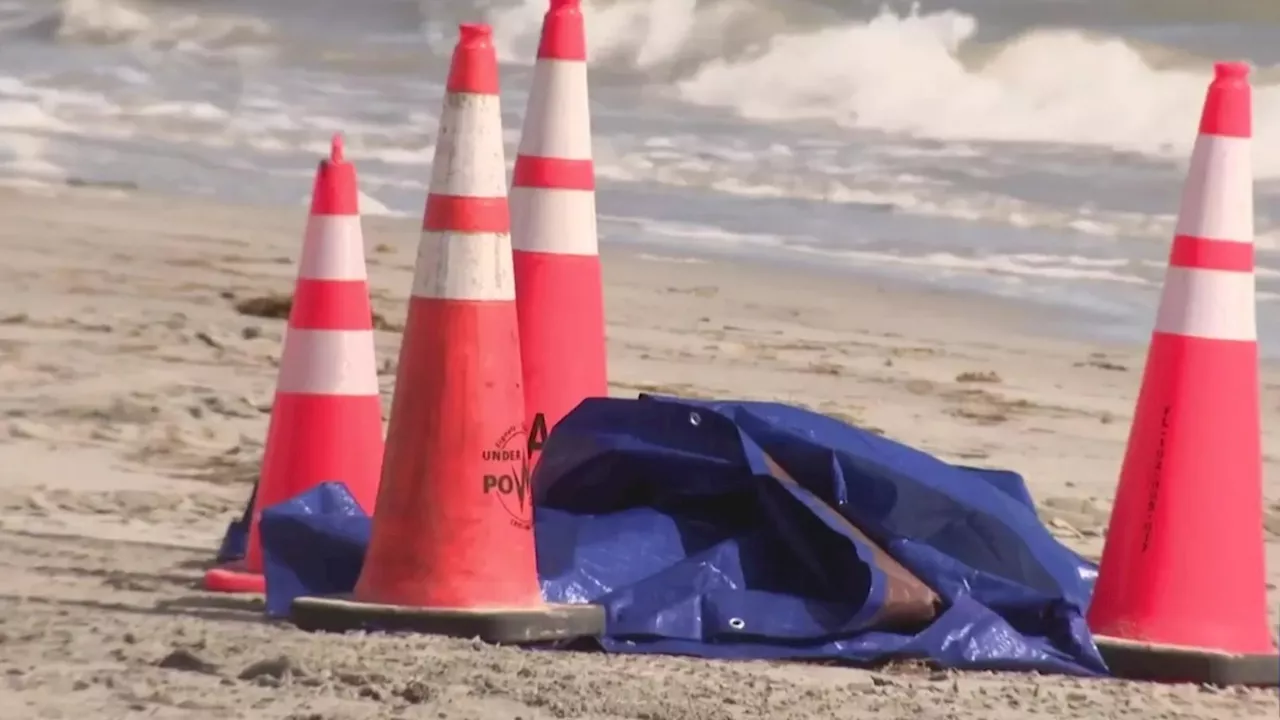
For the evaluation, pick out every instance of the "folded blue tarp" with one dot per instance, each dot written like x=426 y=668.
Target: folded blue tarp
x=758 y=530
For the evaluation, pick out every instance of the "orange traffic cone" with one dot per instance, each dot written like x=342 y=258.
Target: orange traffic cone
x=452 y=547
x=326 y=421
x=559 y=292
x=1181 y=591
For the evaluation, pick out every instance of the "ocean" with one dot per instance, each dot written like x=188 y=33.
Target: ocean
x=1029 y=149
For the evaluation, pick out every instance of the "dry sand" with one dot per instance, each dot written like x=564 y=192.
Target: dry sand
x=135 y=397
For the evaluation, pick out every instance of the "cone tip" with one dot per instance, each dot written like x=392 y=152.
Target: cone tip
x=472 y=34
x=335 y=149
x=563 y=37
x=1227 y=107
x=474 y=68
x=1234 y=70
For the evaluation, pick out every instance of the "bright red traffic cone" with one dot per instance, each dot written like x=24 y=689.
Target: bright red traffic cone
x=452 y=546
x=326 y=421
x=559 y=292
x=1181 y=591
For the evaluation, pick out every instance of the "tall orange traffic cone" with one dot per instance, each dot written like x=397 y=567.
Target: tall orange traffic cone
x=452 y=546
x=1181 y=591
x=559 y=292
x=326 y=421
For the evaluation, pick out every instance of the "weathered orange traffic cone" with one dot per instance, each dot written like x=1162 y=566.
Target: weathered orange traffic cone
x=452 y=546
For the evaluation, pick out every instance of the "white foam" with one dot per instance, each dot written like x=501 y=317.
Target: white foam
x=20 y=115
x=865 y=185
x=1013 y=266
x=183 y=110
x=914 y=73
x=99 y=20
x=1018 y=266
x=370 y=205
x=675 y=260
x=143 y=26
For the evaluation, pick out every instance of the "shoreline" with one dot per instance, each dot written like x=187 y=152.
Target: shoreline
x=1047 y=319
x=137 y=362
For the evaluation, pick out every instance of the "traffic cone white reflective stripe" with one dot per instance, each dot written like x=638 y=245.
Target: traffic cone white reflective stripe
x=1209 y=290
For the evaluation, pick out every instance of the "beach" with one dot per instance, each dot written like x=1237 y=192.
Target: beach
x=138 y=346
x=970 y=144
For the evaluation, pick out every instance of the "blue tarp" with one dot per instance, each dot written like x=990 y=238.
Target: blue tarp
x=669 y=514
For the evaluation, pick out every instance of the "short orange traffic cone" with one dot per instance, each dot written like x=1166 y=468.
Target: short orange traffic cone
x=1181 y=591
x=452 y=546
x=559 y=291
x=326 y=421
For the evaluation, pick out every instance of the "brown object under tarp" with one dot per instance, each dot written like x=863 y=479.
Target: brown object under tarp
x=909 y=604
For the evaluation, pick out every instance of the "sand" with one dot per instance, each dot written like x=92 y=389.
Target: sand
x=135 y=397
